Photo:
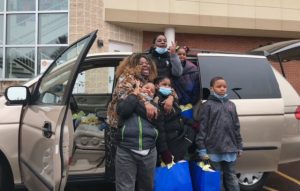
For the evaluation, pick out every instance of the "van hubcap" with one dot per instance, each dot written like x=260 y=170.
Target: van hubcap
x=248 y=179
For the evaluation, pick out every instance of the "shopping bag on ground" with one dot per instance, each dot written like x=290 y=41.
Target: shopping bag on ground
x=176 y=178
x=204 y=178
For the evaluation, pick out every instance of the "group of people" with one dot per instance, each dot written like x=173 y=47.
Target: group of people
x=147 y=124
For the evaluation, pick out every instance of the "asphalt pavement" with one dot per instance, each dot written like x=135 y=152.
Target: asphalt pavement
x=287 y=178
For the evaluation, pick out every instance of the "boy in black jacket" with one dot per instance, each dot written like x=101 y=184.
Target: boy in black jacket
x=219 y=138
x=136 y=152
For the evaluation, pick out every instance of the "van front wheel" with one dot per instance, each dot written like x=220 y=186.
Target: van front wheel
x=252 y=181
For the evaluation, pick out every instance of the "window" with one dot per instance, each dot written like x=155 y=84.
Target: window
x=54 y=82
x=19 y=63
x=20 y=29
x=32 y=32
x=23 y=5
x=1 y=31
x=53 y=29
x=1 y=63
x=1 y=5
x=247 y=77
x=92 y=91
x=53 y=5
x=46 y=55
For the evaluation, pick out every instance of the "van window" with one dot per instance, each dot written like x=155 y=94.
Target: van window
x=248 y=77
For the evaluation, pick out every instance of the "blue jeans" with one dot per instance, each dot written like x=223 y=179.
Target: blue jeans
x=228 y=175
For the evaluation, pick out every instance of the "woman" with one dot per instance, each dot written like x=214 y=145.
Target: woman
x=137 y=67
x=167 y=63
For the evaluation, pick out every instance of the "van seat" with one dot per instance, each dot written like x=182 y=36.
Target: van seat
x=89 y=137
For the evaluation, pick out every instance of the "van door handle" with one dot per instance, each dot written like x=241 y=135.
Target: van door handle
x=47 y=130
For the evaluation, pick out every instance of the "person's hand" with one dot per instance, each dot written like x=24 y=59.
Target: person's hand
x=196 y=126
x=172 y=48
x=239 y=153
x=151 y=111
x=169 y=104
x=166 y=157
x=137 y=87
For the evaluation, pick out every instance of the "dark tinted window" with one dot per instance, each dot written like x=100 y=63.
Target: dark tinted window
x=247 y=77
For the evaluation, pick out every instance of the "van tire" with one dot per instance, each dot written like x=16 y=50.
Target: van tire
x=258 y=183
x=6 y=178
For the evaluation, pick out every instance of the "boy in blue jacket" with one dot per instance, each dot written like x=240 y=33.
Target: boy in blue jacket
x=136 y=138
x=219 y=138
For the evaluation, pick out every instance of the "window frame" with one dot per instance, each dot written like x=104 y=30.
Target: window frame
x=36 y=46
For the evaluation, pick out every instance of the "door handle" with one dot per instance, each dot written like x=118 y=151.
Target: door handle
x=47 y=130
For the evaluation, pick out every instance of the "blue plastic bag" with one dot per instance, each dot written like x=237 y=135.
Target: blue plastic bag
x=187 y=111
x=205 y=180
x=177 y=178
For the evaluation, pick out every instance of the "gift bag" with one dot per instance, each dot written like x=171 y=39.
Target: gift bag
x=176 y=178
x=205 y=180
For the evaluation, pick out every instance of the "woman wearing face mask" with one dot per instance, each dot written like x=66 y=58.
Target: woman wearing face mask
x=175 y=137
x=167 y=62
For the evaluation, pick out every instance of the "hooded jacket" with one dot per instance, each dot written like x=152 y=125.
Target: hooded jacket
x=219 y=127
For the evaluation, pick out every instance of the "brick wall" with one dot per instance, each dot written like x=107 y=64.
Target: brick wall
x=230 y=44
x=86 y=16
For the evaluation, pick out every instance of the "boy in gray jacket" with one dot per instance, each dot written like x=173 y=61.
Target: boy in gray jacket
x=136 y=152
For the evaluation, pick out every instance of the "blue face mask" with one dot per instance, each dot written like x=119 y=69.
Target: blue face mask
x=220 y=97
x=165 y=91
x=161 y=50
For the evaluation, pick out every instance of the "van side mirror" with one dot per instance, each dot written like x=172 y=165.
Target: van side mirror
x=17 y=95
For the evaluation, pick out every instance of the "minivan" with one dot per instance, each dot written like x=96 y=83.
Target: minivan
x=43 y=145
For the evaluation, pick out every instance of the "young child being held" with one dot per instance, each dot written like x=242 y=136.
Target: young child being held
x=136 y=139
x=219 y=138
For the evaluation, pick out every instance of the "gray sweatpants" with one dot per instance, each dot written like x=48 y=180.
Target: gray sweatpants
x=132 y=167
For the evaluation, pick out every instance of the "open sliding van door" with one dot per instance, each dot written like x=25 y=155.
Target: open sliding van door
x=46 y=122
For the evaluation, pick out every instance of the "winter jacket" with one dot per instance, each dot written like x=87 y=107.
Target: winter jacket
x=219 y=127
x=175 y=135
x=135 y=131
x=187 y=86
x=167 y=64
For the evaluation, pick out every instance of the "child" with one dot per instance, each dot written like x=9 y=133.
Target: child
x=175 y=136
x=187 y=85
x=219 y=138
x=136 y=151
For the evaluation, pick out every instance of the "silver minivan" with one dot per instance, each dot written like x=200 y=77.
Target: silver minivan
x=43 y=145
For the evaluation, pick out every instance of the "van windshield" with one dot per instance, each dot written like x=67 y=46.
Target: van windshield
x=248 y=77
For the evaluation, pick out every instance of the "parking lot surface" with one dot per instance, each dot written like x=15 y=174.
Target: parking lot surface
x=287 y=178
